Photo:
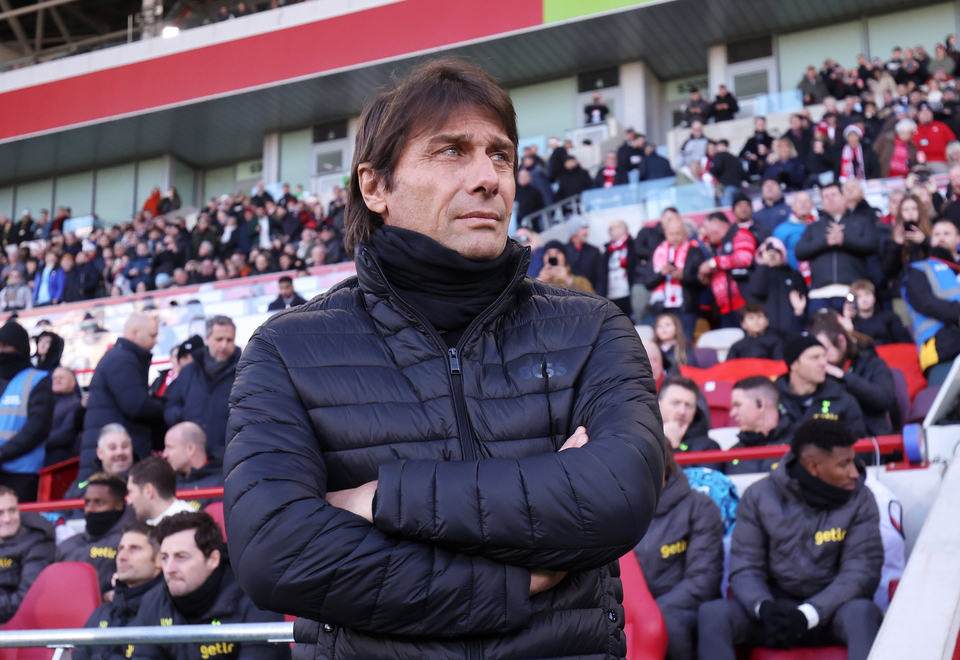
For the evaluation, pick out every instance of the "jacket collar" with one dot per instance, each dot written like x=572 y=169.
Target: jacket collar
x=375 y=287
x=141 y=354
x=674 y=491
x=786 y=484
x=128 y=598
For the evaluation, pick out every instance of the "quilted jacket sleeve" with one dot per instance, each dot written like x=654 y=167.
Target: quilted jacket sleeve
x=571 y=510
x=749 y=563
x=295 y=553
x=704 y=560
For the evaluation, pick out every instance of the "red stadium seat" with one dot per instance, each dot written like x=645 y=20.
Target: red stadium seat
x=64 y=595
x=215 y=510
x=812 y=653
x=734 y=370
x=718 y=393
x=55 y=479
x=643 y=625
x=904 y=357
x=903 y=399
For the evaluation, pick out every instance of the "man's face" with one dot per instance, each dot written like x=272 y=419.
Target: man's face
x=9 y=516
x=678 y=404
x=759 y=125
x=716 y=230
x=454 y=184
x=811 y=366
x=617 y=230
x=746 y=411
x=137 y=562
x=771 y=191
x=175 y=451
x=97 y=498
x=220 y=342
x=743 y=211
x=945 y=235
x=833 y=201
x=139 y=498
x=286 y=289
x=185 y=568
x=43 y=344
x=674 y=231
x=925 y=116
x=62 y=381
x=696 y=129
x=802 y=205
x=115 y=452
x=837 y=467
x=755 y=324
x=852 y=192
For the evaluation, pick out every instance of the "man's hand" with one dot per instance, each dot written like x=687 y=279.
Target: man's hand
x=542 y=580
x=578 y=439
x=674 y=431
x=357 y=500
x=798 y=301
x=915 y=236
x=835 y=371
x=834 y=234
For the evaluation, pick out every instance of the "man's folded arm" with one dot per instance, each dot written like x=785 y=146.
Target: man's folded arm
x=295 y=553
x=572 y=510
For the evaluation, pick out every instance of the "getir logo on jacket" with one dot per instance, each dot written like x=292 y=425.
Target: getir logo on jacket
x=675 y=548
x=6 y=562
x=208 y=651
x=834 y=535
x=103 y=553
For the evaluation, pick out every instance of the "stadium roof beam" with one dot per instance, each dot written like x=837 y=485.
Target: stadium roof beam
x=61 y=26
x=18 y=31
x=10 y=13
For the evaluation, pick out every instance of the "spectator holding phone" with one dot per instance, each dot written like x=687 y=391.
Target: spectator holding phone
x=556 y=271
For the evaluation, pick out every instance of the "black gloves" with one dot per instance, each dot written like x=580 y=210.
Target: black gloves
x=783 y=624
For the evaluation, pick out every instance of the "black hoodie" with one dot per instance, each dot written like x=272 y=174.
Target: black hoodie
x=830 y=400
x=230 y=605
x=681 y=554
x=118 y=614
x=22 y=557
x=208 y=476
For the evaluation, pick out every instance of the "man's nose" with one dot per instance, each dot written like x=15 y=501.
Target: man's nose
x=483 y=174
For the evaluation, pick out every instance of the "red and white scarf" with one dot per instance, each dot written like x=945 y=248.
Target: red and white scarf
x=851 y=164
x=669 y=292
x=609 y=176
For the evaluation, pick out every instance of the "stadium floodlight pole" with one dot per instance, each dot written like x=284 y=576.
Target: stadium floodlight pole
x=66 y=638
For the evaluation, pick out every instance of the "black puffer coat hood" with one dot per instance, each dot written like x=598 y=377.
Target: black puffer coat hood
x=472 y=492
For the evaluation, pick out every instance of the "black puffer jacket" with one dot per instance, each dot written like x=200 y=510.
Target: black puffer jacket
x=118 y=614
x=870 y=381
x=208 y=476
x=99 y=552
x=682 y=553
x=22 y=557
x=841 y=263
x=784 y=548
x=472 y=492
x=119 y=394
x=830 y=400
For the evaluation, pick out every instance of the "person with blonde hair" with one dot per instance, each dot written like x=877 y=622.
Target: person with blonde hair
x=784 y=165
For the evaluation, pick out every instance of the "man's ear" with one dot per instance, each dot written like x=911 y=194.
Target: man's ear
x=371 y=188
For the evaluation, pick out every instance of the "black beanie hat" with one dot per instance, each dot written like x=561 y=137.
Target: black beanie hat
x=13 y=334
x=740 y=196
x=795 y=346
x=553 y=245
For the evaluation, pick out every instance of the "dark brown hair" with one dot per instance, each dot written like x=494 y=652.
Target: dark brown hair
x=826 y=323
x=157 y=472
x=207 y=534
x=426 y=98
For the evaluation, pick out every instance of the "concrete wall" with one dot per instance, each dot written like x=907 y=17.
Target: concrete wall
x=925 y=26
x=75 y=191
x=296 y=149
x=219 y=180
x=115 y=194
x=546 y=109
x=34 y=195
x=149 y=175
x=6 y=201
x=799 y=50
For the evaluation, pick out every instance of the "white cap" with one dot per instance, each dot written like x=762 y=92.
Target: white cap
x=25 y=212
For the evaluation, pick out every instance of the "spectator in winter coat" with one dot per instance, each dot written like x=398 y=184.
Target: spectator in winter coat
x=72 y=291
x=584 y=259
x=784 y=166
x=333 y=479
x=597 y=111
x=138 y=573
x=630 y=154
x=681 y=557
x=529 y=199
x=774 y=210
x=754 y=409
x=732 y=250
x=883 y=326
x=852 y=360
x=66 y=422
x=725 y=106
x=837 y=246
x=199 y=588
x=674 y=348
x=756 y=148
x=896 y=150
x=48 y=284
x=106 y=515
x=621 y=265
x=855 y=161
x=119 y=392
x=27 y=547
x=780 y=289
x=684 y=425
x=609 y=174
x=697 y=109
x=200 y=392
x=728 y=171
x=654 y=166
x=28 y=409
x=807 y=391
x=16 y=296
x=742 y=209
x=288 y=296
x=671 y=274
x=185 y=449
x=802 y=214
x=933 y=298
x=554 y=269
x=932 y=138
x=694 y=148
x=572 y=179
x=760 y=340
x=812 y=87
x=805 y=557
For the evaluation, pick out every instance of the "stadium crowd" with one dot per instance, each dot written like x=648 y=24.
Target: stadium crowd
x=815 y=290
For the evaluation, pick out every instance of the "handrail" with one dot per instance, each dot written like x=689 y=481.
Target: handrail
x=279 y=632
x=552 y=214
x=885 y=444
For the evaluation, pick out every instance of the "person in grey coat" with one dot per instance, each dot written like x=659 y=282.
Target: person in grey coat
x=805 y=556
x=26 y=548
x=681 y=556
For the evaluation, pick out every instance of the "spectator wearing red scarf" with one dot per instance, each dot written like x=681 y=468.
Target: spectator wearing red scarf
x=621 y=265
x=609 y=175
x=733 y=249
x=896 y=151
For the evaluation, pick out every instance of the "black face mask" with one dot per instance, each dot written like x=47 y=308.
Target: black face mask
x=12 y=363
x=818 y=493
x=100 y=523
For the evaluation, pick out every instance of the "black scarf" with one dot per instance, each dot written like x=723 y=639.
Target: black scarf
x=13 y=363
x=753 y=438
x=199 y=602
x=214 y=367
x=818 y=493
x=446 y=289
x=98 y=524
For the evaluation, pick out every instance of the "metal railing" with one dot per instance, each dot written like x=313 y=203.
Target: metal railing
x=63 y=639
x=550 y=216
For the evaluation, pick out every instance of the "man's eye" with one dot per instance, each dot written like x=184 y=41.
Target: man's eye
x=453 y=151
